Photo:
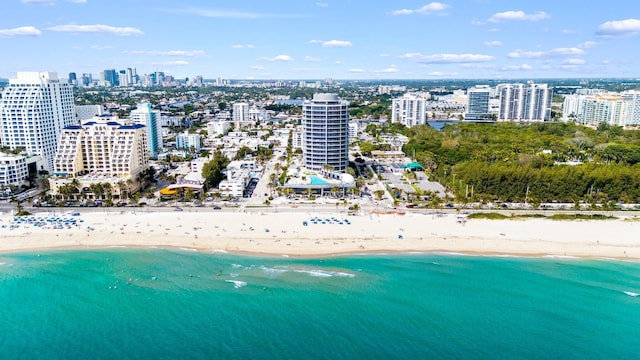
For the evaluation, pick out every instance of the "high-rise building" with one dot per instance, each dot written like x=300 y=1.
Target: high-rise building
x=604 y=108
x=527 y=103
x=102 y=147
x=87 y=79
x=34 y=109
x=240 y=114
x=478 y=103
x=151 y=119
x=633 y=107
x=410 y=109
x=101 y=151
x=73 y=79
x=111 y=76
x=325 y=122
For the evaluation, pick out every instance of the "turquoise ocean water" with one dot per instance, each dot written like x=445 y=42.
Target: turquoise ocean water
x=150 y=304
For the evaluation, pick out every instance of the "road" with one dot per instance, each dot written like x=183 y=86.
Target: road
x=365 y=208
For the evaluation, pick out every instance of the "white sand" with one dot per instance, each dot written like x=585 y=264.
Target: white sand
x=231 y=232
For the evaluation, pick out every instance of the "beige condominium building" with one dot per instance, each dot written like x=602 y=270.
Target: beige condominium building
x=102 y=150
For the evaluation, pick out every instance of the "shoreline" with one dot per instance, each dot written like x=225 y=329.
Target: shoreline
x=286 y=235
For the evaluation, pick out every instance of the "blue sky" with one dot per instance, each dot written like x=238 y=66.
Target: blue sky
x=341 y=39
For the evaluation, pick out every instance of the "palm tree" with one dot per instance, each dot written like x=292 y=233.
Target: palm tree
x=108 y=190
x=66 y=190
x=97 y=190
x=122 y=189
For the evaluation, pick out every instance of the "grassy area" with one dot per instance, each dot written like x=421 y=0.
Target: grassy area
x=496 y=216
x=581 y=217
x=490 y=216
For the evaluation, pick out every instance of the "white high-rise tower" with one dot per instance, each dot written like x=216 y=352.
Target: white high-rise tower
x=326 y=133
x=34 y=109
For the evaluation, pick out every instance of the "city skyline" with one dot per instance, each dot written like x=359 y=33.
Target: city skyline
x=319 y=39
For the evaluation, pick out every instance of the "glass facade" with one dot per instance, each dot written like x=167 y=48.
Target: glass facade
x=326 y=133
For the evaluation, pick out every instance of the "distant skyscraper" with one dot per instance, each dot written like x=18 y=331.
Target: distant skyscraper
x=111 y=76
x=410 y=109
x=325 y=122
x=73 y=79
x=520 y=102
x=34 y=109
x=87 y=79
x=151 y=119
x=478 y=103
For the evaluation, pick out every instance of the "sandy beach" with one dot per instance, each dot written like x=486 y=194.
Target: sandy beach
x=300 y=234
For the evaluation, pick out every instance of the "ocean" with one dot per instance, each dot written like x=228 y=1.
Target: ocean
x=158 y=304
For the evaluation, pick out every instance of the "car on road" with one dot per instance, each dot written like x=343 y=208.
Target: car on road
x=177 y=209
x=217 y=208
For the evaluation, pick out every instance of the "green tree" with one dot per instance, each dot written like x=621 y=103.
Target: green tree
x=212 y=172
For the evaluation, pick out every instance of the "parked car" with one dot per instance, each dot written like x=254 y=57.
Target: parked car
x=217 y=208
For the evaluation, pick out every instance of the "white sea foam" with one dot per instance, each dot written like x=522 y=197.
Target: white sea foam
x=237 y=266
x=324 y=273
x=274 y=270
x=559 y=257
x=236 y=283
x=631 y=293
x=218 y=251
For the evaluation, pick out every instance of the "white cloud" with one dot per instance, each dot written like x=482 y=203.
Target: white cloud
x=441 y=74
x=78 y=1
x=522 y=67
x=277 y=58
x=432 y=7
x=337 y=43
x=477 y=22
x=184 y=53
x=256 y=67
x=20 y=31
x=518 y=15
x=384 y=55
x=173 y=63
x=98 y=28
x=402 y=12
x=240 y=46
x=388 y=70
x=493 y=43
x=357 y=71
x=39 y=2
x=301 y=69
x=101 y=47
x=314 y=41
x=322 y=4
x=311 y=59
x=557 y=52
x=447 y=58
x=339 y=62
x=424 y=10
x=587 y=44
x=574 y=61
x=619 y=28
